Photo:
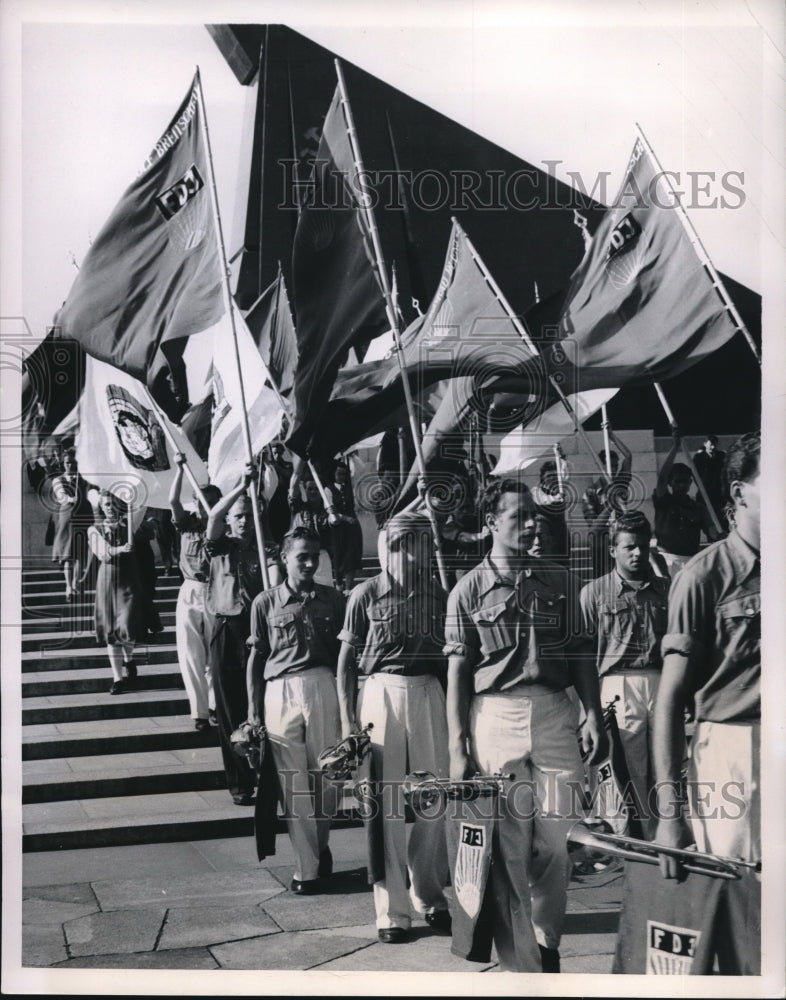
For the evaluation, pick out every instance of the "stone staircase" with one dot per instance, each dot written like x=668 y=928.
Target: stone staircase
x=100 y=770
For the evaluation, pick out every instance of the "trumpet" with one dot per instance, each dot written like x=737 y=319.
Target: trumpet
x=425 y=789
x=648 y=852
x=249 y=741
x=339 y=762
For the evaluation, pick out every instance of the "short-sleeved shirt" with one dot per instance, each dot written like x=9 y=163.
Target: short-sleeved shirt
x=522 y=631
x=194 y=560
x=295 y=635
x=396 y=632
x=235 y=576
x=679 y=522
x=715 y=620
x=627 y=621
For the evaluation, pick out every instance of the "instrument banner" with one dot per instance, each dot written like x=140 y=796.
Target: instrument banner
x=470 y=832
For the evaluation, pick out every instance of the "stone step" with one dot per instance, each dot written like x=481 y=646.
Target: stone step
x=78 y=623
x=109 y=737
x=54 y=603
x=90 y=707
x=143 y=774
x=184 y=816
x=35 y=661
x=54 y=643
x=96 y=678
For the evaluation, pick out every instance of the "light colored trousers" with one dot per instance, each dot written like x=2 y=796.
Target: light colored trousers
x=532 y=735
x=301 y=716
x=193 y=625
x=410 y=734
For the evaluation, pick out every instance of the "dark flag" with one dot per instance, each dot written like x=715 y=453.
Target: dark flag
x=466 y=336
x=152 y=276
x=641 y=306
x=337 y=292
x=272 y=327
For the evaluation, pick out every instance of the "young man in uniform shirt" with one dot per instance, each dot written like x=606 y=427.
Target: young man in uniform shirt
x=514 y=646
x=712 y=651
x=625 y=612
x=292 y=690
x=193 y=622
x=393 y=634
x=234 y=581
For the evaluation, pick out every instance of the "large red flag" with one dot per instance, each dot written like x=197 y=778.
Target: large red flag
x=152 y=275
x=337 y=293
x=641 y=306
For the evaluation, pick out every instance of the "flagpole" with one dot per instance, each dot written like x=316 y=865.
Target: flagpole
x=391 y=311
x=528 y=341
x=228 y=305
x=689 y=460
x=176 y=450
x=606 y=443
x=704 y=257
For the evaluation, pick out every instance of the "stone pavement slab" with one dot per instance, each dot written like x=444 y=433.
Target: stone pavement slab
x=47 y=911
x=72 y=893
x=44 y=868
x=424 y=952
x=119 y=932
x=348 y=903
x=43 y=944
x=221 y=888
x=195 y=959
x=598 y=964
x=190 y=926
x=287 y=951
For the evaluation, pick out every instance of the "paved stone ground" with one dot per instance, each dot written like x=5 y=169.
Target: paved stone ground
x=209 y=905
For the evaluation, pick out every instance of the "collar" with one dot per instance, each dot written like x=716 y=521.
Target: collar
x=621 y=585
x=285 y=595
x=745 y=559
x=537 y=568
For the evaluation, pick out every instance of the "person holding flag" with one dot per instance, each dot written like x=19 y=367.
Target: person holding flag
x=234 y=580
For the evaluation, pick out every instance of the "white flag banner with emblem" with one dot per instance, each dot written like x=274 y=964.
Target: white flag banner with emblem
x=526 y=445
x=121 y=445
x=227 y=455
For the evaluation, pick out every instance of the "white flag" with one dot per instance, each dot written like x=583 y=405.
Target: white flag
x=526 y=445
x=226 y=458
x=121 y=445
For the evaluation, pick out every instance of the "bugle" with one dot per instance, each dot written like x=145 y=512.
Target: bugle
x=424 y=789
x=649 y=852
x=339 y=762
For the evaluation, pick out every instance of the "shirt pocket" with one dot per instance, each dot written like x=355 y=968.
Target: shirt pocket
x=325 y=627
x=383 y=623
x=283 y=630
x=548 y=614
x=616 y=621
x=494 y=631
x=739 y=626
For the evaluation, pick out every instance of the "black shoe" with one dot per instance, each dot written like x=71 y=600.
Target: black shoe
x=307 y=888
x=393 y=935
x=325 y=869
x=130 y=668
x=549 y=959
x=201 y=725
x=440 y=920
x=212 y=718
x=118 y=687
x=243 y=798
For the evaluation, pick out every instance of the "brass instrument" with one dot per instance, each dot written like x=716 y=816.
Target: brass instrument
x=649 y=852
x=339 y=762
x=424 y=789
x=249 y=741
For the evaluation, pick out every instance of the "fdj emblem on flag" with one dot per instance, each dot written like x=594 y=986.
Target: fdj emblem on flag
x=471 y=867
x=670 y=949
x=138 y=430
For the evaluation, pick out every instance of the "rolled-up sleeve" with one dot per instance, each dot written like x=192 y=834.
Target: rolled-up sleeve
x=688 y=616
x=259 y=639
x=461 y=634
x=355 y=627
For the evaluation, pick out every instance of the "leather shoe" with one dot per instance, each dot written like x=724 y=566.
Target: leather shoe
x=393 y=935
x=325 y=869
x=440 y=920
x=243 y=799
x=307 y=888
x=549 y=959
x=201 y=725
x=119 y=687
x=130 y=668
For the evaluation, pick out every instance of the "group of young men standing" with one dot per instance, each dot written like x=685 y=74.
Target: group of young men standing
x=505 y=675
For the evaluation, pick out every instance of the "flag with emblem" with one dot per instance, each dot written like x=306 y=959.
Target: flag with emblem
x=270 y=323
x=121 y=444
x=466 y=336
x=641 y=306
x=337 y=291
x=152 y=276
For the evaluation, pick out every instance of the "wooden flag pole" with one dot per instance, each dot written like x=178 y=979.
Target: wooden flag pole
x=689 y=460
x=528 y=341
x=228 y=305
x=173 y=445
x=392 y=314
x=704 y=257
x=606 y=442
